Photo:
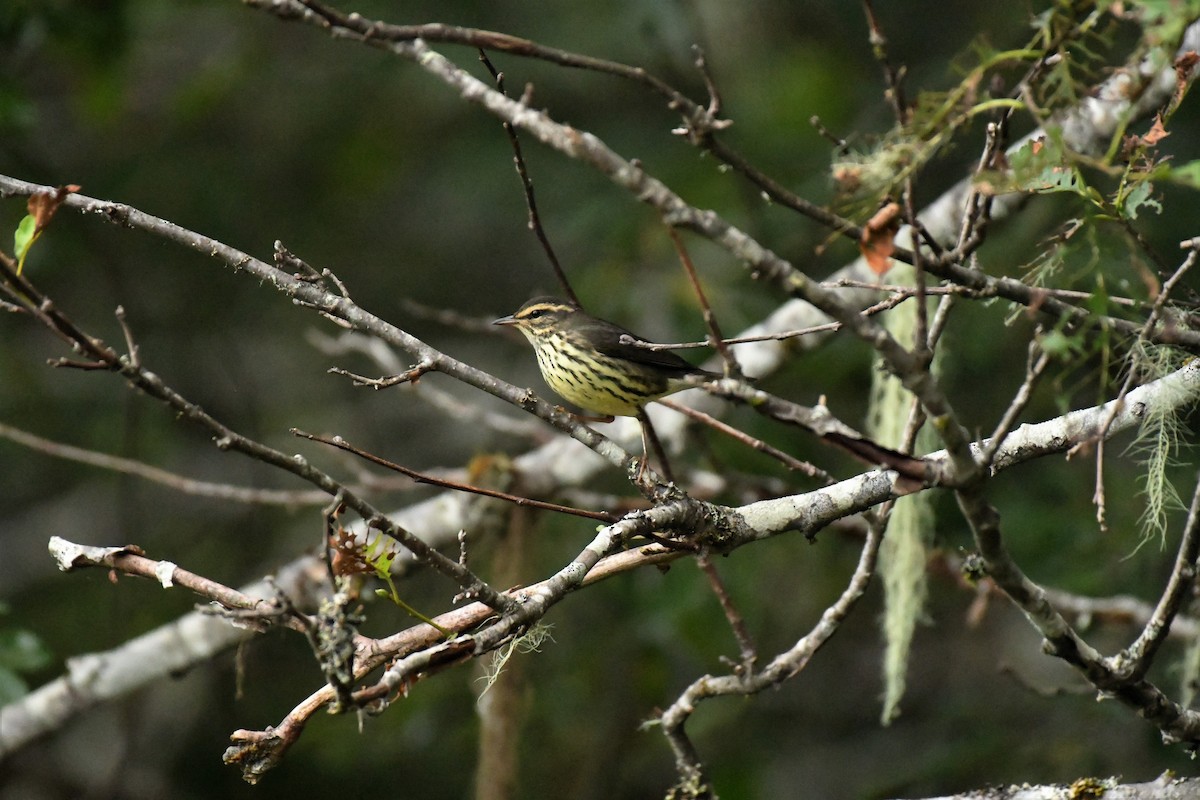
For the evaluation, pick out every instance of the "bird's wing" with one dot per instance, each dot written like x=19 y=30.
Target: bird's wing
x=607 y=338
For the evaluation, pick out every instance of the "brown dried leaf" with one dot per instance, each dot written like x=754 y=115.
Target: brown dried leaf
x=346 y=556
x=43 y=205
x=878 y=238
x=1157 y=132
x=1183 y=76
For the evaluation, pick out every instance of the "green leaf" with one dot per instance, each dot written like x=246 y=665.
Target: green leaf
x=1098 y=302
x=24 y=236
x=1058 y=345
x=1043 y=166
x=1187 y=174
x=1139 y=197
x=1164 y=20
x=1055 y=178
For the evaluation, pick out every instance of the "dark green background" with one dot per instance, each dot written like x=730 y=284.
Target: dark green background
x=230 y=123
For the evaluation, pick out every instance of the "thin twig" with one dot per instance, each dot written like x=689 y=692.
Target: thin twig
x=450 y=318
x=892 y=77
x=840 y=145
x=411 y=42
x=710 y=85
x=409 y=376
x=225 y=438
x=445 y=483
x=1136 y=660
x=650 y=442
x=132 y=560
x=129 y=466
x=732 y=370
x=535 y=220
x=1144 y=334
x=821 y=422
x=899 y=294
x=698 y=124
x=789 y=461
x=780 y=669
x=386 y=359
x=737 y=623
x=1036 y=364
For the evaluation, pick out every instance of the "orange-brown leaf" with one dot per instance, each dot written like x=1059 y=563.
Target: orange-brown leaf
x=1183 y=76
x=879 y=238
x=1157 y=132
x=42 y=205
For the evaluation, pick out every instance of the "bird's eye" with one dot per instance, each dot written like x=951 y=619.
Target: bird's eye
x=535 y=313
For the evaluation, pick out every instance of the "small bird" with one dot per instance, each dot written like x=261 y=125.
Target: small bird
x=583 y=359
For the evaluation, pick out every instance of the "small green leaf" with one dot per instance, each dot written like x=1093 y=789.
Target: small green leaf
x=1043 y=166
x=1188 y=174
x=23 y=239
x=1139 y=197
x=1098 y=302
x=24 y=235
x=1058 y=345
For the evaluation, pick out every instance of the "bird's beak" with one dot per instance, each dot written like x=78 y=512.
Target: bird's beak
x=509 y=320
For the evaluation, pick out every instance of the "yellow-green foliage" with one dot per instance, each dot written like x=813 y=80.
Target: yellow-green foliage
x=530 y=642
x=902 y=558
x=1157 y=440
x=903 y=554
x=1189 y=673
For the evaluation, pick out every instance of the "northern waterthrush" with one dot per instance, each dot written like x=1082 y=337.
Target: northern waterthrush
x=584 y=360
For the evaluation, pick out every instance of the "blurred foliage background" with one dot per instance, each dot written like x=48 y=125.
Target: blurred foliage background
x=230 y=123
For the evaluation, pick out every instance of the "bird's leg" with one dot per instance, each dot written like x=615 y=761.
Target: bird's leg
x=650 y=441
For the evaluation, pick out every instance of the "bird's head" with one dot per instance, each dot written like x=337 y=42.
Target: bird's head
x=541 y=317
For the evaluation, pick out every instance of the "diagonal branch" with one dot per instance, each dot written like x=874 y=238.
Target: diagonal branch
x=180 y=483
x=136 y=375
x=1135 y=660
